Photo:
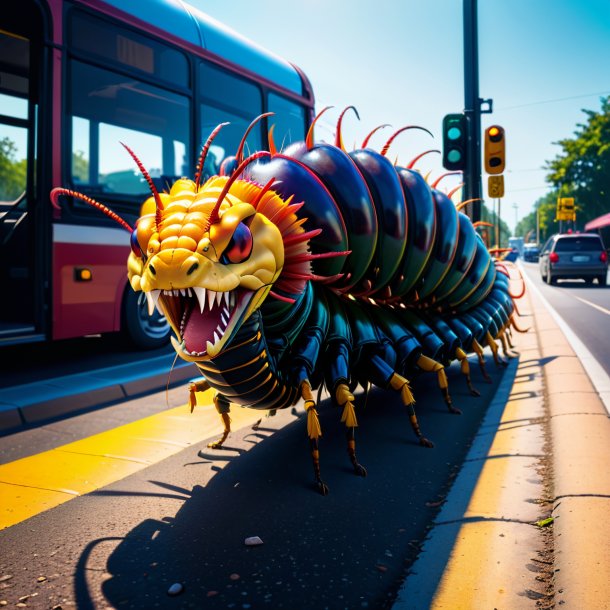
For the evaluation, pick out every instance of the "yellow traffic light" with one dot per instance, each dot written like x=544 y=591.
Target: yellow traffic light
x=495 y=151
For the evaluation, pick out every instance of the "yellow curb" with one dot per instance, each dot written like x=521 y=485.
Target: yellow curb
x=37 y=483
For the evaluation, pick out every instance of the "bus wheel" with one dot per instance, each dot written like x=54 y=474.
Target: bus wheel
x=142 y=330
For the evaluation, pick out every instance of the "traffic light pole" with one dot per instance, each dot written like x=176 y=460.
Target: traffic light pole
x=472 y=109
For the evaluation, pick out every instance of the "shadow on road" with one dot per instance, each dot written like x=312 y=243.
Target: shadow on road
x=350 y=549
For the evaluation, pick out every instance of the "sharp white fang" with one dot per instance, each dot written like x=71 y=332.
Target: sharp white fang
x=215 y=338
x=151 y=303
x=232 y=300
x=183 y=292
x=220 y=331
x=211 y=297
x=200 y=294
x=219 y=298
x=224 y=319
x=226 y=298
x=188 y=292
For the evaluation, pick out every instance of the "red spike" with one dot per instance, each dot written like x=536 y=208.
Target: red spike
x=57 y=192
x=240 y=150
x=309 y=138
x=416 y=159
x=229 y=183
x=262 y=192
x=272 y=148
x=514 y=296
x=204 y=152
x=310 y=257
x=368 y=137
x=436 y=182
x=453 y=191
x=385 y=149
x=463 y=204
x=338 y=138
x=153 y=188
x=301 y=237
x=279 y=297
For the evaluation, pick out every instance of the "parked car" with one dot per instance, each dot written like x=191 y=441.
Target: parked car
x=574 y=256
x=531 y=253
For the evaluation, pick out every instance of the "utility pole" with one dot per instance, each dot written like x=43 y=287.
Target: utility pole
x=472 y=109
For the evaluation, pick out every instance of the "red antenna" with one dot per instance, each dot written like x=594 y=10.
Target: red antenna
x=204 y=153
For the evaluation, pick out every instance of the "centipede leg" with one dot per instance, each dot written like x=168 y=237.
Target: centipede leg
x=400 y=384
x=201 y=385
x=460 y=354
x=345 y=399
x=494 y=350
x=314 y=432
x=429 y=365
x=509 y=336
x=502 y=337
x=223 y=406
x=478 y=350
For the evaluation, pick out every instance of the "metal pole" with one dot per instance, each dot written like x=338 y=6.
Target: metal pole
x=538 y=226
x=472 y=109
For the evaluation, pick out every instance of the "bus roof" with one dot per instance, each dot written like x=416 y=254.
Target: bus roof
x=195 y=27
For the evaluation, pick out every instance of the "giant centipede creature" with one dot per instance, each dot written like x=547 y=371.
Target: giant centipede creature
x=314 y=267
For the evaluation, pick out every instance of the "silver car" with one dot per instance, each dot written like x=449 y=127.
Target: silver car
x=574 y=256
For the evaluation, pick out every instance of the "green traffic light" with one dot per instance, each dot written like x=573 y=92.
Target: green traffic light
x=454 y=156
x=454 y=133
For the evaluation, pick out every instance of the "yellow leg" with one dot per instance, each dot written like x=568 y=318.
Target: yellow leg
x=314 y=432
x=400 y=384
x=196 y=386
x=494 y=350
x=460 y=354
x=429 y=365
x=345 y=399
x=478 y=350
x=223 y=406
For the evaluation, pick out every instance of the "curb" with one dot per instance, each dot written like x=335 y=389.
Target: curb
x=484 y=549
x=34 y=403
x=580 y=430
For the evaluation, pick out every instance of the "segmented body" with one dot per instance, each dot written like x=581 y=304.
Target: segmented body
x=314 y=266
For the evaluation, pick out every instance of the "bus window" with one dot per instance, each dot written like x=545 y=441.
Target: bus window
x=226 y=97
x=289 y=120
x=108 y=108
x=127 y=49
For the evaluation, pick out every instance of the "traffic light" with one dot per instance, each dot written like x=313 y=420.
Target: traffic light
x=455 y=140
x=495 y=152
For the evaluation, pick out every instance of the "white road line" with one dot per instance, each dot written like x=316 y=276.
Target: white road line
x=598 y=307
x=598 y=376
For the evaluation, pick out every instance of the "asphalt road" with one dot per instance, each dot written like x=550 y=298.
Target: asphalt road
x=586 y=310
x=184 y=520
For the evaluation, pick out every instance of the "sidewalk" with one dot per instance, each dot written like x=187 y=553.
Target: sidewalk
x=33 y=403
x=541 y=452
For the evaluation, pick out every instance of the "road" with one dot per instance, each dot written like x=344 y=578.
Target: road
x=586 y=310
x=184 y=519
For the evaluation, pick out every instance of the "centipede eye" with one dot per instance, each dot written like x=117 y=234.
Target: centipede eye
x=135 y=245
x=239 y=247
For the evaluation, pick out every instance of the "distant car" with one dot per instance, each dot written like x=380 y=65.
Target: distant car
x=531 y=253
x=574 y=256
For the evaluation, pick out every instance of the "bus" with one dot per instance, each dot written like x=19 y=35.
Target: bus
x=77 y=78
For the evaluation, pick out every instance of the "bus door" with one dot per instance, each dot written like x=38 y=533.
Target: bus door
x=23 y=234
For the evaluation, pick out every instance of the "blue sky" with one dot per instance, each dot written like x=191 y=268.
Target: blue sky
x=401 y=62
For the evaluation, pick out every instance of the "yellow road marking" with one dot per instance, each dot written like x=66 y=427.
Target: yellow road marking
x=598 y=307
x=39 y=482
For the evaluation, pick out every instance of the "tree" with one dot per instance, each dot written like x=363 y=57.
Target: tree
x=545 y=209
x=582 y=169
x=12 y=171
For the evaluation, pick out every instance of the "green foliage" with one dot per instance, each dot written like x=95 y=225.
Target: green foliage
x=545 y=208
x=12 y=171
x=582 y=169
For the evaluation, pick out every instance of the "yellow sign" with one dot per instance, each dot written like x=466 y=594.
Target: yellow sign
x=495 y=186
x=565 y=209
